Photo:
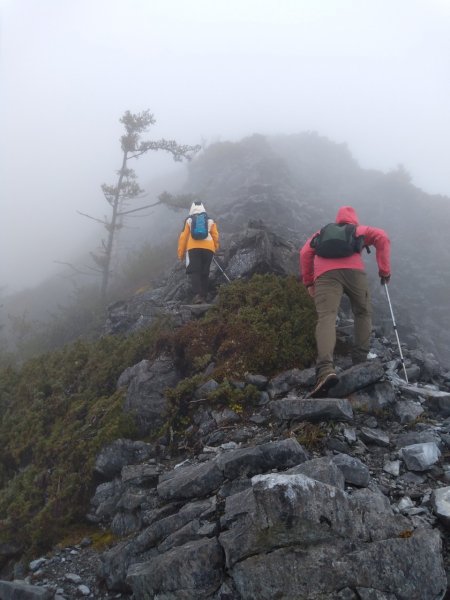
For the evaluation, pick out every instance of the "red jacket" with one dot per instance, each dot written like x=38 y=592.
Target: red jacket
x=313 y=266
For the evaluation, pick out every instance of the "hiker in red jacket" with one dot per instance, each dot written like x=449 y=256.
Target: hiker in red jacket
x=327 y=279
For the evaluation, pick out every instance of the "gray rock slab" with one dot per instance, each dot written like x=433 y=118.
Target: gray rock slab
x=290 y=509
x=374 y=398
x=145 y=399
x=438 y=402
x=358 y=377
x=405 y=569
x=435 y=400
x=407 y=411
x=259 y=459
x=105 y=501
x=377 y=515
x=237 y=506
x=191 y=482
x=417 y=437
x=156 y=514
x=410 y=568
x=374 y=436
x=19 y=590
x=141 y=475
x=291 y=573
x=440 y=500
x=114 y=564
x=321 y=469
x=35 y=565
x=160 y=530
x=194 y=570
x=125 y=523
x=392 y=467
x=420 y=457
x=113 y=457
x=288 y=380
x=355 y=472
x=138 y=370
x=225 y=417
x=312 y=410
x=188 y=533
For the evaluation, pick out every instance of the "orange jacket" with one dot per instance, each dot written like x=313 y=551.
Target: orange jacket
x=186 y=241
x=313 y=266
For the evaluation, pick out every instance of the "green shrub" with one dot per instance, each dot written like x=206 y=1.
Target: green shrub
x=57 y=412
x=264 y=325
x=59 y=409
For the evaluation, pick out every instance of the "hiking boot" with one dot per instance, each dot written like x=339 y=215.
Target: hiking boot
x=323 y=384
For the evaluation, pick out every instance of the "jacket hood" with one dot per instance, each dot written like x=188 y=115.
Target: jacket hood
x=196 y=208
x=347 y=214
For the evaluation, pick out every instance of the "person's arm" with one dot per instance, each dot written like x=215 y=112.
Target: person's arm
x=215 y=236
x=379 y=238
x=183 y=240
x=307 y=263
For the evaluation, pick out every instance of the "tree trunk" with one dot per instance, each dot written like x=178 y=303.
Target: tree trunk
x=111 y=232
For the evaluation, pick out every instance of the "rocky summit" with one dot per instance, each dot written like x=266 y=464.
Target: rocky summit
x=338 y=498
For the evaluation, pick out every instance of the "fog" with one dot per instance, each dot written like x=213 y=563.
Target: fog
x=373 y=74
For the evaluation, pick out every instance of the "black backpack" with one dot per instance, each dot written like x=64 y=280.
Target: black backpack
x=199 y=226
x=337 y=240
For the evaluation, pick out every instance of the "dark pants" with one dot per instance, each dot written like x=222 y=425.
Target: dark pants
x=198 y=269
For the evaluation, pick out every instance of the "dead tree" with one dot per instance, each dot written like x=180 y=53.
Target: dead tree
x=127 y=188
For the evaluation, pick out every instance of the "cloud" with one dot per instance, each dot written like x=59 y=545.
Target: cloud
x=372 y=74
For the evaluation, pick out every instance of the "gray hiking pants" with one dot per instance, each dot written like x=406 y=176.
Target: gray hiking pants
x=328 y=290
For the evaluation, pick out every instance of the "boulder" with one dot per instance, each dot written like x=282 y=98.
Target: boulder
x=355 y=472
x=193 y=570
x=358 y=377
x=312 y=410
x=420 y=457
x=19 y=590
x=120 y=453
x=191 y=481
x=262 y=458
x=145 y=399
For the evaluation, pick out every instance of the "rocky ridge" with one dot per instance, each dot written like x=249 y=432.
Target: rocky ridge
x=333 y=498
x=337 y=498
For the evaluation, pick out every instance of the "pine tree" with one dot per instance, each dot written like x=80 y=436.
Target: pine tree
x=127 y=188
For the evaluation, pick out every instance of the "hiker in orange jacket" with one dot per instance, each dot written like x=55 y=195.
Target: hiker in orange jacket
x=327 y=279
x=198 y=252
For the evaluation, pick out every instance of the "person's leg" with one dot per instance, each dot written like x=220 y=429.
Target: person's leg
x=327 y=297
x=194 y=270
x=207 y=256
x=357 y=289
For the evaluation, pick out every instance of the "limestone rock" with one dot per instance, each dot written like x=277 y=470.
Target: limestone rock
x=145 y=399
x=420 y=457
x=312 y=410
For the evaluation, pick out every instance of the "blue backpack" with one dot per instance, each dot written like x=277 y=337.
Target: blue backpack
x=199 y=226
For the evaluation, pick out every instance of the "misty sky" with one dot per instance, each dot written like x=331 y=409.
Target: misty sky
x=372 y=73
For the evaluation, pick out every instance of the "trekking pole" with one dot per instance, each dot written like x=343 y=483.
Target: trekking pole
x=225 y=275
x=396 y=332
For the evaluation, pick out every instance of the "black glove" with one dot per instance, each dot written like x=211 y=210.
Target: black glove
x=384 y=279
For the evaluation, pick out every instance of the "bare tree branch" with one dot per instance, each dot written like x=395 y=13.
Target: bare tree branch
x=127 y=212
x=76 y=269
x=93 y=218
